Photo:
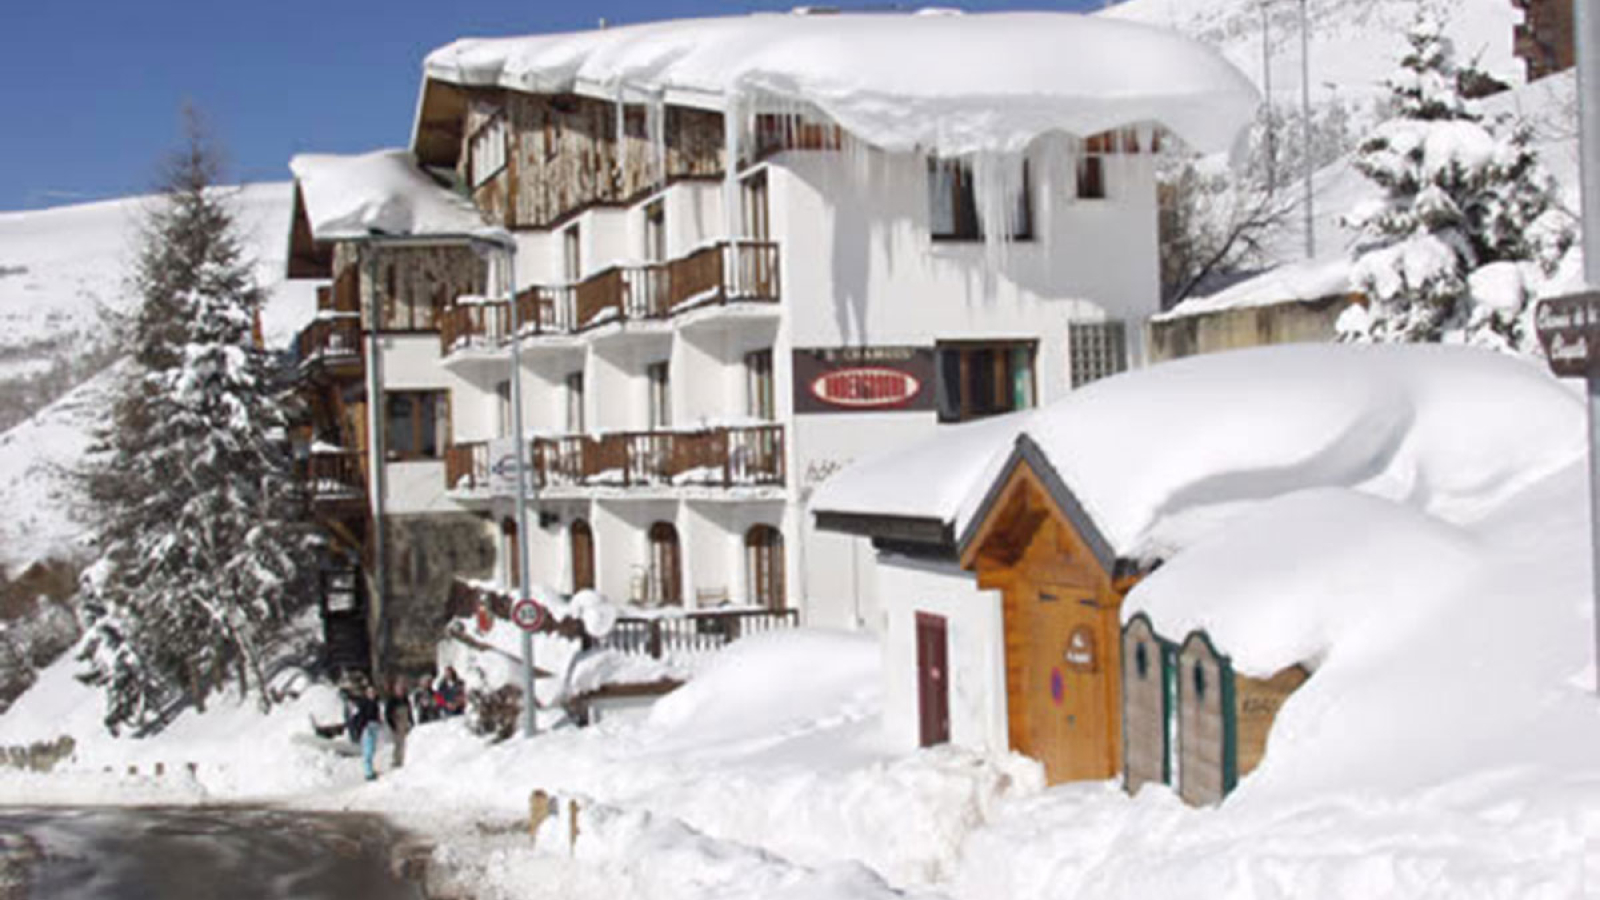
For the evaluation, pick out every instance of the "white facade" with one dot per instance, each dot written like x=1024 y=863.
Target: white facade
x=857 y=267
x=975 y=644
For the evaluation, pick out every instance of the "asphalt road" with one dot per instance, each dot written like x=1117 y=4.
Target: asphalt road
x=217 y=853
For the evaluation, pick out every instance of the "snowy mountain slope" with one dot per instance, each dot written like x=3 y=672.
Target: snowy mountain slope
x=34 y=459
x=1354 y=43
x=59 y=268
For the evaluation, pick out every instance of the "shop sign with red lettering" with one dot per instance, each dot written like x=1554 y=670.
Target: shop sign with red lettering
x=863 y=379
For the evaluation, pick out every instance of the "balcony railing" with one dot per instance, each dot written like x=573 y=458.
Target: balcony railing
x=714 y=457
x=729 y=271
x=334 y=476
x=329 y=341
x=657 y=636
x=466 y=466
x=694 y=632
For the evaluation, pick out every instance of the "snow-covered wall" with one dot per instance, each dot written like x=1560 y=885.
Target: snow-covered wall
x=975 y=644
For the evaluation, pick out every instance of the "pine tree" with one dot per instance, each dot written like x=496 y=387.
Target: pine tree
x=203 y=546
x=1443 y=255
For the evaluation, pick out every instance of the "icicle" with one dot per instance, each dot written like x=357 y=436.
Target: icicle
x=623 y=144
x=656 y=125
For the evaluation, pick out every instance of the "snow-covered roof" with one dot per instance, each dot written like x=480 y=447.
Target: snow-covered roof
x=1294 y=282
x=1161 y=457
x=945 y=80
x=382 y=192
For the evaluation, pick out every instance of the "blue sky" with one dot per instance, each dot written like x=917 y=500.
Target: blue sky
x=91 y=90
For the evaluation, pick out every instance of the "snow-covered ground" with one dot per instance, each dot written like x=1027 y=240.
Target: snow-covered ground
x=1444 y=746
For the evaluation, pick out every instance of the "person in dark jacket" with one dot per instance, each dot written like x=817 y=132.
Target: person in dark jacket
x=451 y=694
x=397 y=713
x=365 y=723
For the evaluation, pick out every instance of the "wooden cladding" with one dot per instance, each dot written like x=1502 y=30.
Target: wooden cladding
x=728 y=271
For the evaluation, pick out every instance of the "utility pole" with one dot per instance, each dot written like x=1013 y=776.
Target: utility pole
x=1305 y=127
x=530 y=700
x=1586 y=21
x=377 y=466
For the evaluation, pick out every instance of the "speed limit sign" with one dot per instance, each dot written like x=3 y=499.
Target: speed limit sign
x=528 y=615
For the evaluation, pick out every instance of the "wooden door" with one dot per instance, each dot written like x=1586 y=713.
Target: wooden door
x=933 y=680
x=1071 y=674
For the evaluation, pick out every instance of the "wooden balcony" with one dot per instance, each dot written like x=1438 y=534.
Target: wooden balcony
x=723 y=457
x=716 y=274
x=331 y=346
x=466 y=467
x=335 y=477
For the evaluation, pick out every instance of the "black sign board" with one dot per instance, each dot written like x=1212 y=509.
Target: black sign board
x=863 y=379
x=1569 y=330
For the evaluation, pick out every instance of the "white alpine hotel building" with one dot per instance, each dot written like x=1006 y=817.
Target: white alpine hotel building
x=928 y=219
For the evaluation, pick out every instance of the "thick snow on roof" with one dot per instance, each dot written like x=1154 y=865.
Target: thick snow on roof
x=959 y=83
x=1303 y=574
x=1161 y=457
x=383 y=192
x=928 y=479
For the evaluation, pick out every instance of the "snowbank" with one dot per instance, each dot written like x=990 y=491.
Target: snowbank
x=383 y=192
x=888 y=79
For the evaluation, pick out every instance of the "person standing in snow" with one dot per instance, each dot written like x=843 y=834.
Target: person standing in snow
x=397 y=713
x=366 y=724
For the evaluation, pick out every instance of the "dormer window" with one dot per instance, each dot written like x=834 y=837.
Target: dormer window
x=953 y=203
x=489 y=150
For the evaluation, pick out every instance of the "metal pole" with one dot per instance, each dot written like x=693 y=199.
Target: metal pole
x=1305 y=126
x=1586 y=21
x=530 y=725
x=1266 y=92
x=377 y=454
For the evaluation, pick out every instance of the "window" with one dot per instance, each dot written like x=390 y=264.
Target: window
x=763 y=552
x=977 y=379
x=1098 y=349
x=655 y=231
x=1091 y=177
x=502 y=392
x=582 y=539
x=953 y=205
x=416 y=424
x=571 y=258
x=512 y=550
x=575 y=403
x=488 y=150
x=760 y=400
x=660 y=395
x=665 y=585
x=757 y=219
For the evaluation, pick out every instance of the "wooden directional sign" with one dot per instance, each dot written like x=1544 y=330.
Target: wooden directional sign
x=1569 y=330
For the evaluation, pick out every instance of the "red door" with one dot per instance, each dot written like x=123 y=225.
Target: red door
x=933 y=680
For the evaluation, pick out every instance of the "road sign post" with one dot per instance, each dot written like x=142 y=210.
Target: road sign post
x=1569 y=330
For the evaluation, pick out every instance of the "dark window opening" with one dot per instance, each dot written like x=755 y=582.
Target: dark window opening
x=953 y=206
x=416 y=424
x=977 y=379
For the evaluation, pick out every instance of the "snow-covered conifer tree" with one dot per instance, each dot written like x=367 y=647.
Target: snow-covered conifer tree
x=199 y=522
x=1443 y=255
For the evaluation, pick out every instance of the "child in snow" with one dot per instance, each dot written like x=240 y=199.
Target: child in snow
x=451 y=694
